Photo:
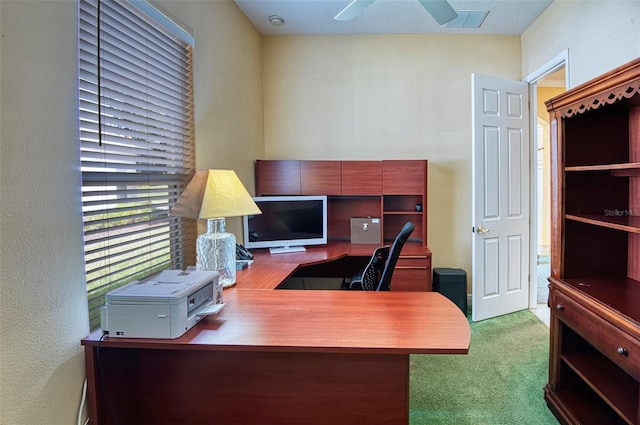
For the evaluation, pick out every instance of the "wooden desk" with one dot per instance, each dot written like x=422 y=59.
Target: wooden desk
x=337 y=259
x=277 y=357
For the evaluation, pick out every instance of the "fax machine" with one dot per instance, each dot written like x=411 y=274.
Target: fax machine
x=165 y=306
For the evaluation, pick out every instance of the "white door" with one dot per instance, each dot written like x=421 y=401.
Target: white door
x=500 y=268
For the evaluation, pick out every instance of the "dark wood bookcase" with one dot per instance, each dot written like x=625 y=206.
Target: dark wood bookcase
x=594 y=369
x=393 y=190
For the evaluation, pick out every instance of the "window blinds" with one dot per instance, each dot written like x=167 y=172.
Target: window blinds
x=136 y=144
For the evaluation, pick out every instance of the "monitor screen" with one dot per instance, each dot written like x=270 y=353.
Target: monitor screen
x=287 y=223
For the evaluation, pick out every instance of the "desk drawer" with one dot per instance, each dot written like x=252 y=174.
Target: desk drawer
x=412 y=273
x=617 y=345
x=411 y=279
x=413 y=262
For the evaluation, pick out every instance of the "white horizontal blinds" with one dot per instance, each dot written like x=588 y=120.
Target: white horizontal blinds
x=136 y=145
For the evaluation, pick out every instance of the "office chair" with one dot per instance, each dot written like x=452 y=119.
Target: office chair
x=384 y=259
x=368 y=280
x=398 y=243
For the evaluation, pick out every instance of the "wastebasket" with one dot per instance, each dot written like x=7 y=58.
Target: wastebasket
x=452 y=283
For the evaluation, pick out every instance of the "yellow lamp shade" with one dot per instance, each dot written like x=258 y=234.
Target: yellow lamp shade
x=214 y=194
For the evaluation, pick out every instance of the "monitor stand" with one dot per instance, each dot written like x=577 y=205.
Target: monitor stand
x=287 y=249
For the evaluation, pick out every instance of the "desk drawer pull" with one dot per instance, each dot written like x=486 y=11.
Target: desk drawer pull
x=623 y=351
x=560 y=307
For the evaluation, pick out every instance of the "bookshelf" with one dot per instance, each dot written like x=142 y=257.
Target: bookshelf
x=594 y=370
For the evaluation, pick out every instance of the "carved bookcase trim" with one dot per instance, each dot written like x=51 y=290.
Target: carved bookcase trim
x=620 y=83
x=607 y=98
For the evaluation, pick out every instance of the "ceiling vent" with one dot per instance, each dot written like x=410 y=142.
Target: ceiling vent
x=468 y=19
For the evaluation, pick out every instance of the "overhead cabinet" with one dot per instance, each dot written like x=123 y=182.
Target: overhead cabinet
x=395 y=191
x=278 y=178
x=361 y=178
x=321 y=178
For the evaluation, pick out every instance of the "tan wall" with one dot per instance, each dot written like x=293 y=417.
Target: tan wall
x=44 y=304
x=228 y=89
x=387 y=97
x=44 y=307
x=600 y=35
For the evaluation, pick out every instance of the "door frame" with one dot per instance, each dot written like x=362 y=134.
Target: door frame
x=561 y=60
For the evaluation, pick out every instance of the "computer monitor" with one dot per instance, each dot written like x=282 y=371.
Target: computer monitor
x=287 y=223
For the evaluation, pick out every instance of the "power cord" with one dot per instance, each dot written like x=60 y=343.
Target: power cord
x=84 y=399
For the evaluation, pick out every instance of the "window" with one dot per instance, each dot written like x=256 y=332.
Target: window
x=136 y=143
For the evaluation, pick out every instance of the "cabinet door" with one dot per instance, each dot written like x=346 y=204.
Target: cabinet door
x=361 y=178
x=320 y=178
x=409 y=280
x=404 y=177
x=277 y=177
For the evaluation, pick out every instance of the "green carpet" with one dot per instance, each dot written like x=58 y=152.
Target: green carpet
x=500 y=381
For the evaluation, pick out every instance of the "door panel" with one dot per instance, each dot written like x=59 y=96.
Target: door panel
x=491 y=267
x=491 y=144
x=516 y=172
x=514 y=263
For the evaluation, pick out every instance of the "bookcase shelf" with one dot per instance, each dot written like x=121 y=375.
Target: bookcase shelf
x=616 y=388
x=618 y=293
x=624 y=222
x=584 y=406
x=606 y=167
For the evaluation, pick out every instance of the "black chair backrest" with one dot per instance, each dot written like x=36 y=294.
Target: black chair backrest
x=398 y=243
x=373 y=271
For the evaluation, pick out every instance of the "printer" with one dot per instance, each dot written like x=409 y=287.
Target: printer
x=165 y=306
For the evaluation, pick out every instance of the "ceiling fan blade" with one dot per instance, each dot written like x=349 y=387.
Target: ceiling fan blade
x=354 y=9
x=441 y=10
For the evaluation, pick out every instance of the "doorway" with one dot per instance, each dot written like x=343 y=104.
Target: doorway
x=547 y=82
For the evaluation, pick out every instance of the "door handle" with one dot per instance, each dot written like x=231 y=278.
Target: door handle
x=481 y=229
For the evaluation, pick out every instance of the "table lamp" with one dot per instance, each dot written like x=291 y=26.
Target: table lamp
x=215 y=195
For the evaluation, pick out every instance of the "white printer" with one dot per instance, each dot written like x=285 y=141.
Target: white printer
x=165 y=306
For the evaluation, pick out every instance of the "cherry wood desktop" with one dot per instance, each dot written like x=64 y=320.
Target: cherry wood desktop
x=277 y=356
x=341 y=259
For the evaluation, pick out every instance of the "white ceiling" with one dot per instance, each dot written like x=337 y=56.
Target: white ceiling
x=387 y=17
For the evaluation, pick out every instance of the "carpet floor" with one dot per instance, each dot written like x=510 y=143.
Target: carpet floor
x=500 y=381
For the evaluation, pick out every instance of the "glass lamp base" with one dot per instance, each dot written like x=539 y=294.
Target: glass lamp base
x=216 y=250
